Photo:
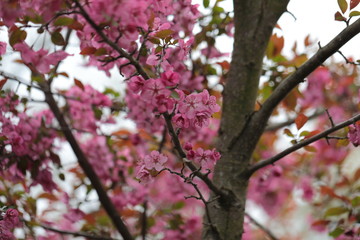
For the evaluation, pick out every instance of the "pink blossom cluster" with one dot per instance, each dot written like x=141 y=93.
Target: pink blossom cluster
x=317 y=82
x=82 y=105
x=154 y=95
x=99 y=156
x=9 y=220
x=205 y=158
x=12 y=10
x=195 y=109
x=28 y=142
x=22 y=132
x=125 y=22
x=153 y=161
x=354 y=134
x=39 y=61
x=270 y=189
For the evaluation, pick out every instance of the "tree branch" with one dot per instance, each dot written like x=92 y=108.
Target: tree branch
x=264 y=229
x=112 y=44
x=182 y=154
x=86 y=166
x=75 y=234
x=276 y=126
x=299 y=145
x=304 y=70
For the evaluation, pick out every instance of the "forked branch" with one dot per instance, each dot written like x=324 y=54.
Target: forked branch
x=302 y=144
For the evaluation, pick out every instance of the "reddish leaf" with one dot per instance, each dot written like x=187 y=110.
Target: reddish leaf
x=288 y=132
x=354 y=3
x=224 y=64
x=2 y=83
x=79 y=84
x=330 y=192
x=76 y=25
x=307 y=41
x=339 y=17
x=343 y=5
x=301 y=120
x=88 y=51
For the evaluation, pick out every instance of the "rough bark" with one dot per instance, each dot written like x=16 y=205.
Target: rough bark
x=254 y=21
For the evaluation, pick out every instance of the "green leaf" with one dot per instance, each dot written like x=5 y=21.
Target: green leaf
x=100 y=52
x=218 y=9
x=355 y=201
x=154 y=40
x=164 y=33
x=343 y=5
x=288 y=132
x=354 y=14
x=337 y=232
x=17 y=36
x=63 y=21
x=57 y=38
x=178 y=205
x=335 y=211
x=206 y=3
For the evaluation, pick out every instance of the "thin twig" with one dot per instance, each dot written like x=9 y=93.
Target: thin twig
x=144 y=221
x=75 y=234
x=182 y=154
x=86 y=166
x=264 y=229
x=277 y=126
x=299 y=145
x=112 y=44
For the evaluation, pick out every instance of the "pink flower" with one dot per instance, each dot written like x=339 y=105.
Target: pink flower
x=39 y=60
x=354 y=134
x=191 y=105
x=44 y=178
x=136 y=84
x=206 y=158
x=143 y=175
x=170 y=78
x=155 y=160
x=153 y=60
x=153 y=88
x=2 y=48
x=11 y=218
x=181 y=121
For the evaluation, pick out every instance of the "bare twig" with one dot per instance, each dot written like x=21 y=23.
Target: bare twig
x=182 y=154
x=303 y=71
x=347 y=60
x=112 y=44
x=276 y=126
x=302 y=144
x=86 y=166
x=144 y=221
x=259 y=225
x=75 y=234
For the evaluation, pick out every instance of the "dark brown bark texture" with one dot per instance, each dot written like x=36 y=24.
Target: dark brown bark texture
x=254 y=21
x=241 y=127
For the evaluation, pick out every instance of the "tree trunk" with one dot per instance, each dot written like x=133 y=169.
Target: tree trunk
x=254 y=21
